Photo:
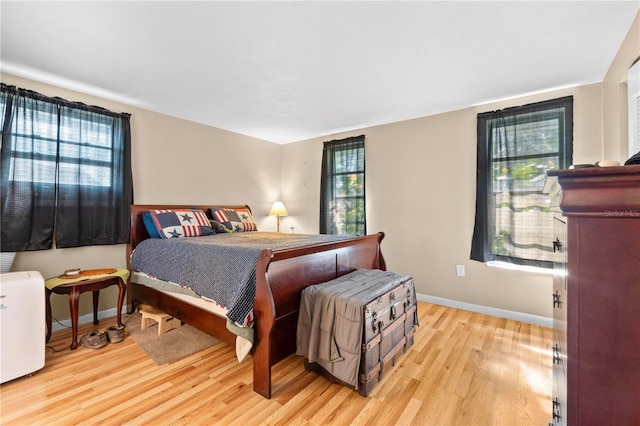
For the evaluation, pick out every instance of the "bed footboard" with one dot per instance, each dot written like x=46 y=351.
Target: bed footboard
x=280 y=278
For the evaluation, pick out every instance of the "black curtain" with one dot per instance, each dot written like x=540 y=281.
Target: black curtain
x=28 y=191
x=66 y=173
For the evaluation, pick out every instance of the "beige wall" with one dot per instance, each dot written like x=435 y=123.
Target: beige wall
x=420 y=187
x=173 y=161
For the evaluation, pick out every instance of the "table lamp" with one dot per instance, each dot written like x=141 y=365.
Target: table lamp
x=278 y=210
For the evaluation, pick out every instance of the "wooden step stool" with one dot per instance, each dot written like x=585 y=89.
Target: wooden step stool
x=165 y=321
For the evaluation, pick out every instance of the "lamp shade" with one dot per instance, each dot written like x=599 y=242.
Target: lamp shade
x=278 y=209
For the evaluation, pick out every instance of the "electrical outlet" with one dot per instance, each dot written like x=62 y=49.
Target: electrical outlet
x=460 y=270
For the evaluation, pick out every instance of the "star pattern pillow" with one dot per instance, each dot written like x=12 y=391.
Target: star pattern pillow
x=180 y=223
x=237 y=220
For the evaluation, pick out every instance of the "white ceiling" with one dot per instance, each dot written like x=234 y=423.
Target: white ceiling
x=290 y=71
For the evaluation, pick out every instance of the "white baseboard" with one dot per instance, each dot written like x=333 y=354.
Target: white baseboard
x=83 y=319
x=487 y=310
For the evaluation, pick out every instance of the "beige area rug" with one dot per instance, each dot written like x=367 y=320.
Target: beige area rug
x=171 y=346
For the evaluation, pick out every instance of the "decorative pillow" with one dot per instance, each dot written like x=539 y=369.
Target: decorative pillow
x=237 y=220
x=180 y=223
x=219 y=228
x=147 y=219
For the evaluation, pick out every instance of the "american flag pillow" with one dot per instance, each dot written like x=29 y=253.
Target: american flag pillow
x=180 y=223
x=237 y=220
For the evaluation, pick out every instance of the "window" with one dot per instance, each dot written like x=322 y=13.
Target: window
x=342 y=202
x=516 y=147
x=66 y=173
x=633 y=88
x=68 y=140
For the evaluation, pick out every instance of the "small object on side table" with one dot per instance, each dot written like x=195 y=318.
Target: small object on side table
x=91 y=280
x=71 y=272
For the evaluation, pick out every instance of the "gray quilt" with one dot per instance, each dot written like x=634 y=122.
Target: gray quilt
x=221 y=266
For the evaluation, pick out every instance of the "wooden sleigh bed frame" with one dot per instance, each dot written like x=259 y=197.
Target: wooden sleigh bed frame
x=280 y=277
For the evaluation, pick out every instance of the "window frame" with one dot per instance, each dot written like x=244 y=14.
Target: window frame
x=485 y=230
x=53 y=155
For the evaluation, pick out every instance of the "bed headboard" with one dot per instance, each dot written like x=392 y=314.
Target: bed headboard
x=138 y=230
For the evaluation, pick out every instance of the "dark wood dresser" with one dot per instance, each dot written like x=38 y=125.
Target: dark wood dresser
x=596 y=296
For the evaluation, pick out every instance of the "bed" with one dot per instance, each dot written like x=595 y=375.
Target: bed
x=280 y=276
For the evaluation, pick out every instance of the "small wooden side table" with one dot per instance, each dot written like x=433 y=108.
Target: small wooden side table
x=74 y=289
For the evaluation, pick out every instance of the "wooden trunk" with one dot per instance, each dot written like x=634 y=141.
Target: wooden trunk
x=389 y=324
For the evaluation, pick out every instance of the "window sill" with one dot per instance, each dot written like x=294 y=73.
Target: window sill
x=521 y=268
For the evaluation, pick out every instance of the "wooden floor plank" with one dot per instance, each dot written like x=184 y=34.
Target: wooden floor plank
x=464 y=368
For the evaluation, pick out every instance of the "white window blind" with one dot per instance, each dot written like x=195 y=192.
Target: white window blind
x=633 y=87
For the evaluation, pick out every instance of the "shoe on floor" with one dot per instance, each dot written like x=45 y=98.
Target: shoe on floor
x=94 y=340
x=115 y=333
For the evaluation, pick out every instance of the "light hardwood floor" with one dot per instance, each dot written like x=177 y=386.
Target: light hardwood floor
x=464 y=369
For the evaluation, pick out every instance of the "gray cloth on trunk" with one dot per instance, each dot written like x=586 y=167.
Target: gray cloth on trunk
x=330 y=323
